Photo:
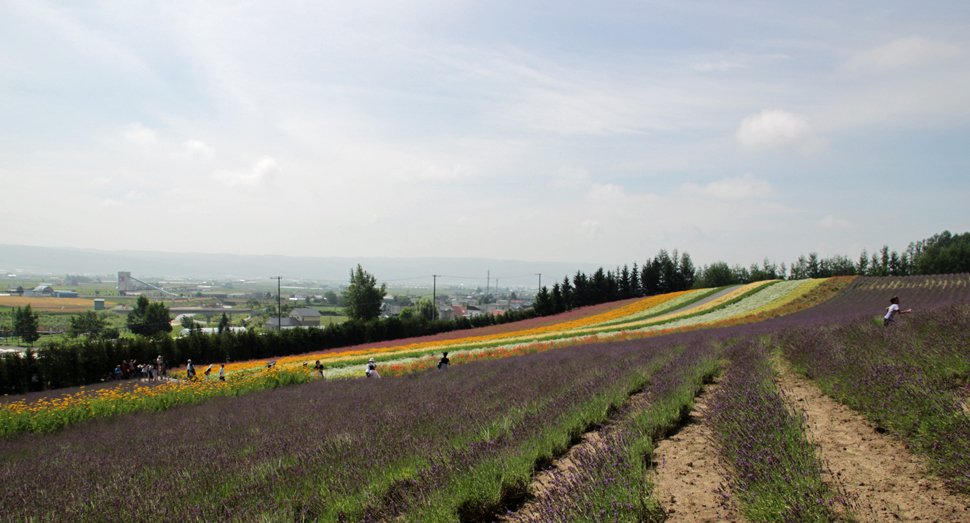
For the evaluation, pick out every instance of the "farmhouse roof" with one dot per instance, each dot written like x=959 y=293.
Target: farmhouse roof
x=305 y=312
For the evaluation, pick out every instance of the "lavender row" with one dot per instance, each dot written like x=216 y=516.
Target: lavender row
x=610 y=481
x=336 y=451
x=906 y=377
x=773 y=471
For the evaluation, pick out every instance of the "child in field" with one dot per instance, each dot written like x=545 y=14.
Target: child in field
x=319 y=368
x=371 y=371
x=444 y=361
x=892 y=310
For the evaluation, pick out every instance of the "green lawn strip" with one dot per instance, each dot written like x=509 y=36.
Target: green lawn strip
x=774 y=473
x=667 y=307
x=652 y=325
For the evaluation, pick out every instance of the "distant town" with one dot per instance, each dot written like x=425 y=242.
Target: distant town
x=262 y=304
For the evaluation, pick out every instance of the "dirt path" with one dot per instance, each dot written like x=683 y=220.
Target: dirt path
x=687 y=479
x=888 y=482
x=590 y=443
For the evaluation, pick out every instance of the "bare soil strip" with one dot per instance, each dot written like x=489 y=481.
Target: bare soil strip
x=687 y=479
x=887 y=481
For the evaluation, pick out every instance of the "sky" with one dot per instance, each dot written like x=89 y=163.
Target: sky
x=561 y=131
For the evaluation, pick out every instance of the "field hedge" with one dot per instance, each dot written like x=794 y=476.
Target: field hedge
x=86 y=361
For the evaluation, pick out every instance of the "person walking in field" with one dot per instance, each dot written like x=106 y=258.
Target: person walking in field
x=190 y=370
x=222 y=372
x=892 y=310
x=208 y=370
x=371 y=371
x=443 y=362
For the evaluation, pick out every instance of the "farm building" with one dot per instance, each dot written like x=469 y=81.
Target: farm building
x=65 y=294
x=40 y=291
x=275 y=324
x=306 y=317
x=445 y=312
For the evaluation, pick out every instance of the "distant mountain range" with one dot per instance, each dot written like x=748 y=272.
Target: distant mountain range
x=146 y=264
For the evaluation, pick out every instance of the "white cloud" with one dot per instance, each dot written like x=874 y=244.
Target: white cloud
x=723 y=62
x=774 y=128
x=430 y=172
x=101 y=180
x=570 y=177
x=745 y=187
x=590 y=229
x=831 y=222
x=261 y=174
x=138 y=134
x=605 y=192
x=903 y=53
x=197 y=149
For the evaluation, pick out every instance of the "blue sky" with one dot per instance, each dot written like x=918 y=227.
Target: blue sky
x=541 y=131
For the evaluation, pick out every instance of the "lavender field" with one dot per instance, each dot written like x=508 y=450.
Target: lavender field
x=435 y=446
x=463 y=445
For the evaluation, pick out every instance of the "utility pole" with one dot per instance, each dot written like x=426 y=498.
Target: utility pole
x=279 y=303
x=488 y=282
x=434 y=292
x=539 y=274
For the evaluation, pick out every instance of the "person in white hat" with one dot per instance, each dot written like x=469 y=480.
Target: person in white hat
x=372 y=369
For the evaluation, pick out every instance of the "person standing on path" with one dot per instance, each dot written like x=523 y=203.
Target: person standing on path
x=892 y=310
x=372 y=369
x=443 y=362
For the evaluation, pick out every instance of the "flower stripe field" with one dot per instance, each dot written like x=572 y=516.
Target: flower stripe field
x=739 y=302
x=745 y=304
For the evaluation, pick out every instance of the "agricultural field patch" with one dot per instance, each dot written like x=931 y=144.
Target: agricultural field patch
x=48 y=304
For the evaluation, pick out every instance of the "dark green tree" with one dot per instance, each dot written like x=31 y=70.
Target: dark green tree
x=426 y=308
x=332 y=298
x=543 y=303
x=25 y=323
x=363 y=298
x=223 y=323
x=149 y=318
x=88 y=323
x=187 y=322
x=718 y=274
